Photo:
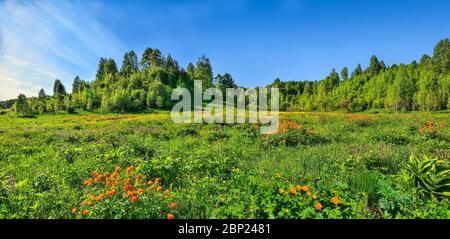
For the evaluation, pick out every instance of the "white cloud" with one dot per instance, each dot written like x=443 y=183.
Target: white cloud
x=45 y=40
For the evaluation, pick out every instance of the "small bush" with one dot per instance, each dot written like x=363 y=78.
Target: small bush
x=71 y=110
x=391 y=138
x=291 y=134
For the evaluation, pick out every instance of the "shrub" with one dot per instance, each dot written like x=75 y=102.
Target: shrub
x=71 y=110
x=391 y=138
x=291 y=134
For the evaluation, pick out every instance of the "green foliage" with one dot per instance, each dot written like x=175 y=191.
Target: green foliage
x=218 y=170
x=429 y=175
x=147 y=83
x=58 y=88
x=423 y=87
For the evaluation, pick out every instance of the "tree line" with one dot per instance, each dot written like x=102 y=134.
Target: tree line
x=147 y=83
x=137 y=86
x=423 y=86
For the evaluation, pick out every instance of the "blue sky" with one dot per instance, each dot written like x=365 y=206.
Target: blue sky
x=254 y=40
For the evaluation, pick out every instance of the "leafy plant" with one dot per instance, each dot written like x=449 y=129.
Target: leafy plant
x=430 y=175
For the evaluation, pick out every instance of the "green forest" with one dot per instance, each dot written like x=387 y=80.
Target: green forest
x=146 y=83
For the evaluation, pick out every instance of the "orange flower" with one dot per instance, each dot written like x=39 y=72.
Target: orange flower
x=150 y=183
x=100 y=197
x=85 y=212
x=113 y=192
x=134 y=199
x=281 y=190
x=293 y=191
x=159 y=188
x=129 y=169
x=318 y=206
x=173 y=205
x=89 y=203
x=167 y=191
x=140 y=191
x=88 y=182
x=335 y=200
x=157 y=180
x=107 y=193
x=170 y=216
x=305 y=188
x=140 y=175
x=74 y=210
x=309 y=194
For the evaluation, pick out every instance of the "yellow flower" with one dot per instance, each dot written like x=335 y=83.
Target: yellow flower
x=281 y=190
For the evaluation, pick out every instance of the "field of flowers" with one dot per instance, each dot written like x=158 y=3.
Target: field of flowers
x=318 y=165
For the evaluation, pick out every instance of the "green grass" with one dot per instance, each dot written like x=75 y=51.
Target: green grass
x=220 y=171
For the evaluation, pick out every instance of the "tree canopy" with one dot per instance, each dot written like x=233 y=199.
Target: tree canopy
x=148 y=83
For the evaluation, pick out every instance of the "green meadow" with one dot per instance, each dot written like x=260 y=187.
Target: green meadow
x=318 y=165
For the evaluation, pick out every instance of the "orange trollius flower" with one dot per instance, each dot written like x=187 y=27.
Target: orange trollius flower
x=159 y=188
x=305 y=188
x=293 y=191
x=170 y=216
x=335 y=200
x=74 y=210
x=173 y=205
x=281 y=190
x=134 y=199
x=318 y=206
x=85 y=212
